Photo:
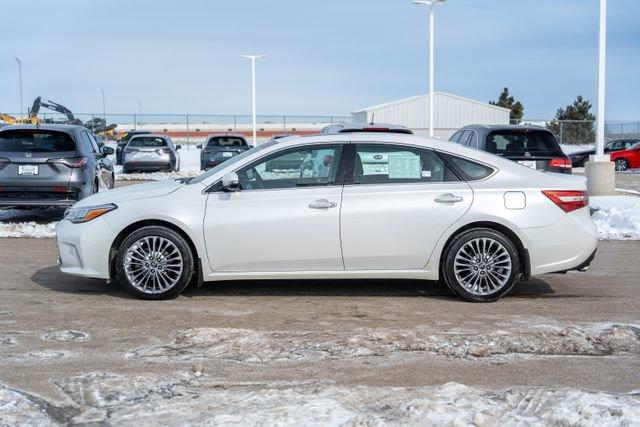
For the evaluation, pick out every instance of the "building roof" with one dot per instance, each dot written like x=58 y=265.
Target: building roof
x=414 y=98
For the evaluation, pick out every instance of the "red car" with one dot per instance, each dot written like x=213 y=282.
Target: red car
x=627 y=159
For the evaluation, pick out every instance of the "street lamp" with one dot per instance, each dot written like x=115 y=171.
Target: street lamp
x=253 y=90
x=430 y=3
x=104 y=109
x=599 y=169
x=20 y=81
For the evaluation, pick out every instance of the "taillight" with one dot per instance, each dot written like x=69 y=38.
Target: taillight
x=3 y=160
x=164 y=151
x=560 y=162
x=568 y=200
x=72 y=162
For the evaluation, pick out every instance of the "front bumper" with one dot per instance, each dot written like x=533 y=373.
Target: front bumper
x=84 y=248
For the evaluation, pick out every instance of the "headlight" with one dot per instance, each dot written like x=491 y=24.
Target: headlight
x=84 y=214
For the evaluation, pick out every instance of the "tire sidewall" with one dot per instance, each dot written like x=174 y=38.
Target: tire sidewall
x=459 y=241
x=181 y=244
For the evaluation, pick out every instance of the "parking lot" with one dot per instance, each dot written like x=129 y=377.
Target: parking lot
x=77 y=349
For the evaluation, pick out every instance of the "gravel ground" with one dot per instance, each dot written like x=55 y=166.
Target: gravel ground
x=562 y=349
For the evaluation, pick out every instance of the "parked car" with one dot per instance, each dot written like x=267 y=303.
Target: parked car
x=51 y=165
x=124 y=140
x=421 y=209
x=531 y=146
x=365 y=127
x=219 y=148
x=627 y=159
x=578 y=158
x=150 y=153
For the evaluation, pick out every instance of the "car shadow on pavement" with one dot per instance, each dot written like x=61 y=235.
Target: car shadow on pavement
x=52 y=278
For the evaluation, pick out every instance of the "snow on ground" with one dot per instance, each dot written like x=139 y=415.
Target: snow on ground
x=186 y=399
x=617 y=217
x=19 y=223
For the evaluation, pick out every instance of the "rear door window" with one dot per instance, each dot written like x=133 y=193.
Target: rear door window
x=468 y=169
x=517 y=143
x=35 y=140
x=389 y=164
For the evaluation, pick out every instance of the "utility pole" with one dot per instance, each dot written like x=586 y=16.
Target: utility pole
x=253 y=90
x=20 y=81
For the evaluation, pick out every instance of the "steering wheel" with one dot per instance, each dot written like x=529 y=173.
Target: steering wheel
x=247 y=184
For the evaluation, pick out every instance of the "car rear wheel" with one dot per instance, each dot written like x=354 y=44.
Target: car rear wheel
x=622 y=164
x=154 y=262
x=481 y=265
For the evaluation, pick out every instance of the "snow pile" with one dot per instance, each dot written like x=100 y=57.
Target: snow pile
x=27 y=229
x=182 y=399
x=293 y=346
x=617 y=217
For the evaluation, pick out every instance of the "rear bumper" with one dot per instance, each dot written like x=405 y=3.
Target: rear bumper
x=42 y=196
x=15 y=203
x=148 y=166
x=569 y=244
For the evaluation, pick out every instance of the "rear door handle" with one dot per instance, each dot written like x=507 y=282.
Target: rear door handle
x=322 y=204
x=448 y=198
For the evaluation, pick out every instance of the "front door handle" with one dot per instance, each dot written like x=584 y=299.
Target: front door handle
x=448 y=198
x=322 y=204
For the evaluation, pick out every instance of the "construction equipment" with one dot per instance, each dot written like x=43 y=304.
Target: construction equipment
x=97 y=125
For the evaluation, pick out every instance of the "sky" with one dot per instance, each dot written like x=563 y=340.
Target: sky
x=323 y=57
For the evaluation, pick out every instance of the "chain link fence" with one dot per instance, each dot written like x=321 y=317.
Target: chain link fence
x=583 y=132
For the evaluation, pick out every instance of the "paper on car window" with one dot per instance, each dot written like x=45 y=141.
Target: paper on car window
x=404 y=166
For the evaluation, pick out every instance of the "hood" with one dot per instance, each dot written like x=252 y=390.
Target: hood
x=131 y=192
x=581 y=153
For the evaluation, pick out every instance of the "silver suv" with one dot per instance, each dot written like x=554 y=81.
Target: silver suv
x=150 y=153
x=51 y=165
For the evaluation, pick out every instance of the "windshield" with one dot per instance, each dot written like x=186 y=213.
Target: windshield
x=35 y=140
x=232 y=161
x=517 y=143
x=147 y=141
x=226 y=141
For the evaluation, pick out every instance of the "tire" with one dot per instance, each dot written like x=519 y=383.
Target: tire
x=473 y=279
x=621 y=164
x=95 y=187
x=159 y=284
x=125 y=170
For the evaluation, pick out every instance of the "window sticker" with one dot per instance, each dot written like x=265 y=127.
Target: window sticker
x=404 y=166
x=426 y=174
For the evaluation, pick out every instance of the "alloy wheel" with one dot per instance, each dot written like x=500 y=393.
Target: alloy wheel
x=153 y=264
x=482 y=266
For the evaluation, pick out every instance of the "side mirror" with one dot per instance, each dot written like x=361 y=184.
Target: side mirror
x=106 y=151
x=178 y=147
x=199 y=146
x=230 y=182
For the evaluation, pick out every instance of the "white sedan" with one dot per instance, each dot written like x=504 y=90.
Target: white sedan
x=352 y=205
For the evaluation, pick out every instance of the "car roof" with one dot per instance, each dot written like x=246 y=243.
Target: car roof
x=46 y=126
x=363 y=127
x=147 y=135
x=219 y=134
x=505 y=127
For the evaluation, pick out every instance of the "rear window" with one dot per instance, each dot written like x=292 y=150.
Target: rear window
x=517 y=143
x=226 y=141
x=147 y=141
x=35 y=140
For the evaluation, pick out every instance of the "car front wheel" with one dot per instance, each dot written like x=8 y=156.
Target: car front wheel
x=481 y=265
x=154 y=262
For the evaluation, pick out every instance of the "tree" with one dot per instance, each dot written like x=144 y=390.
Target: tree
x=574 y=124
x=507 y=101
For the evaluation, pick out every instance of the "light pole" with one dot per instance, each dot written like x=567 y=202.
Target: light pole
x=430 y=3
x=140 y=117
x=253 y=90
x=104 y=109
x=599 y=169
x=20 y=81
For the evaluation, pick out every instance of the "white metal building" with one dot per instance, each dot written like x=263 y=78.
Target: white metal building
x=451 y=113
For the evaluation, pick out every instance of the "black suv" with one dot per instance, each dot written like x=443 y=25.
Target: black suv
x=531 y=146
x=221 y=147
